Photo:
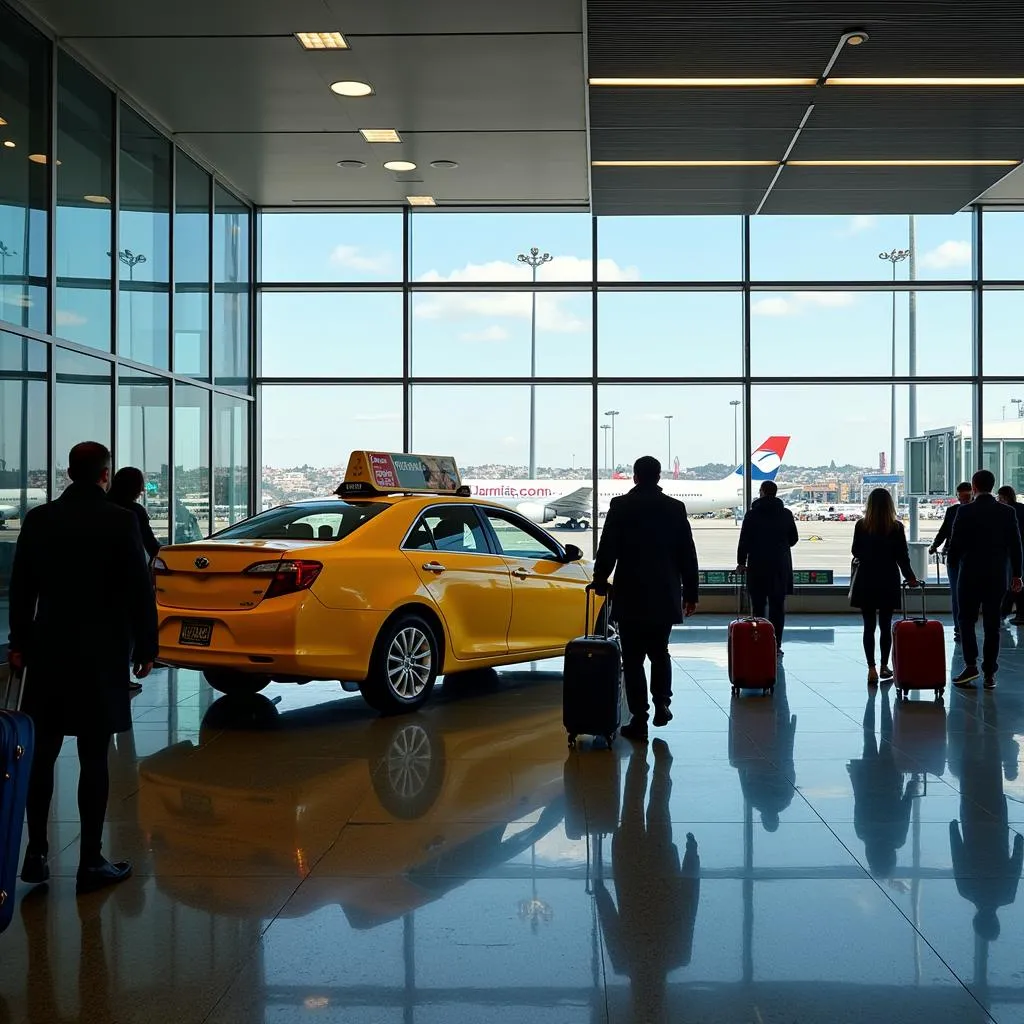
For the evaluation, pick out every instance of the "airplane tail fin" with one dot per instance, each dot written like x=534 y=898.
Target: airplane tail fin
x=766 y=460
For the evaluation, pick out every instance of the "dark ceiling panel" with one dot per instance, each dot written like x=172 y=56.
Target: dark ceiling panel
x=689 y=144
x=909 y=144
x=925 y=107
x=970 y=181
x=686 y=178
x=698 y=108
x=623 y=202
x=841 y=201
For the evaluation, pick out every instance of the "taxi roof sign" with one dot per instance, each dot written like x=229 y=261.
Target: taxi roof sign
x=390 y=473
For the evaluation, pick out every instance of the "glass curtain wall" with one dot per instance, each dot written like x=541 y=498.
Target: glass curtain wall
x=547 y=351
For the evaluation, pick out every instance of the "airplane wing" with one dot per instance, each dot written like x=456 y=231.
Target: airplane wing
x=578 y=503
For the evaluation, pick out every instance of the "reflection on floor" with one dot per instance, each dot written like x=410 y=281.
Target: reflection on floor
x=829 y=855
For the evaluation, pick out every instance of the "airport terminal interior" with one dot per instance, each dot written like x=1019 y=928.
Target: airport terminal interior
x=241 y=241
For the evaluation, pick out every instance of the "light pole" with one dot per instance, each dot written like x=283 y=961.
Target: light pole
x=735 y=403
x=605 y=427
x=895 y=256
x=131 y=260
x=668 y=465
x=612 y=413
x=4 y=253
x=533 y=260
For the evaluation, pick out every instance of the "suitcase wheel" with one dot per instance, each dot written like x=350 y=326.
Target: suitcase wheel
x=735 y=691
x=770 y=691
x=610 y=739
x=572 y=742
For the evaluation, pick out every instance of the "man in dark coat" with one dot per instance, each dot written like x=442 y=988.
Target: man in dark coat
x=985 y=543
x=963 y=496
x=648 y=543
x=82 y=609
x=765 y=554
x=1008 y=496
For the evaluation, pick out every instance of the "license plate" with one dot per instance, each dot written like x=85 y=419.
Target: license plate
x=196 y=633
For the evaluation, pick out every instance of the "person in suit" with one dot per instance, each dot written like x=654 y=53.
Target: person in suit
x=985 y=542
x=1008 y=496
x=765 y=554
x=82 y=608
x=881 y=556
x=125 y=490
x=648 y=544
x=963 y=496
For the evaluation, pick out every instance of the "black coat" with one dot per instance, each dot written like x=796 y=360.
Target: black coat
x=985 y=543
x=81 y=558
x=648 y=543
x=882 y=558
x=946 y=529
x=766 y=541
x=149 y=541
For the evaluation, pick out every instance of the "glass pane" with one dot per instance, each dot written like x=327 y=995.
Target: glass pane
x=1004 y=432
x=918 y=465
x=328 y=521
x=191 y=463
x=486 y=246
x=231 y=465
x=192 y=270
x=24 y=184
x=143 y=440
x=847 y=333
x=1002 y=331
x=1013 y=465
x=82 y=405
x=231 y=291
x=23 y=433
x=670 y=334
x=85 y=184
x=669 y=248
x=492 y=334
x=144 y=239
x=1002 y=259
x=838 y=452
x=332 y=334
x=304 y=462
x=331 y=247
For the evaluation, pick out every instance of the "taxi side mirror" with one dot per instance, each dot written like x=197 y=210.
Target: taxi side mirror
x=572 y=553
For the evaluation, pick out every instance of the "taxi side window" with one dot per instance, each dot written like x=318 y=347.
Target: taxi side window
x=448 y=529
x=516 y=541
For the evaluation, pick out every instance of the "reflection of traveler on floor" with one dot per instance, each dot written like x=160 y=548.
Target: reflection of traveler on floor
x=963 y=496
x=648 y=543
x=1008 y=496
x=985 y=543
x=651 y=931
x=125 y=490
x=81 y=602
x=881 y=555
x=986 y=872
x=881 y=802
x=767 y=538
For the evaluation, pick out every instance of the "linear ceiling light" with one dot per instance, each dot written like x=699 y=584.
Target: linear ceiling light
x=421 y=200
x=2 y=122
x=912 y=82
x=380 y=135
x=697 y=83
x=322 y=40
x=902 y=163
x=684 y=163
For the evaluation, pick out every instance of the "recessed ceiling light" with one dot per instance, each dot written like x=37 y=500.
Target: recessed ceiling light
x=2 y=121
x=322 y=40
x=444 y=165
x=40 y=158
x=685 y=163
x=420 y=200
x=902 y=163
x=96 y=199
x=352 y=88
x=399 y=165
x=693 y=83
x=913 y=82
x=9 y=144
x=351 y=165
x=856 y=37
x=380 y=135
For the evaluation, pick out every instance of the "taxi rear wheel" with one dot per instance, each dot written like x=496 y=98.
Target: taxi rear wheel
x=404 y=666
x=235 y=682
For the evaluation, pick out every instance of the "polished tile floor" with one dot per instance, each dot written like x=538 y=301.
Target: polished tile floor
x=826 y=855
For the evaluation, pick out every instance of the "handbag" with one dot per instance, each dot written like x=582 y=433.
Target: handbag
x=854 y=567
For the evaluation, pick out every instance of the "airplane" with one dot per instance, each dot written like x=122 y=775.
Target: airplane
x=12 y=499
x=543 y=501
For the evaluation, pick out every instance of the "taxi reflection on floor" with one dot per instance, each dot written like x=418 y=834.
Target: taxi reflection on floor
x=265 y=793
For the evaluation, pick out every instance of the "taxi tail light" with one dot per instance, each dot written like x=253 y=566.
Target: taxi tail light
x=159 y=567
x=288 y=576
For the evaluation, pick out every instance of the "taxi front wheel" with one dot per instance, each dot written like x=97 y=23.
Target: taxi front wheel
x=404 y=666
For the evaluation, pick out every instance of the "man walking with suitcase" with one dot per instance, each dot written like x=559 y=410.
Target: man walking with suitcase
x=985 y=542
x=648 y=544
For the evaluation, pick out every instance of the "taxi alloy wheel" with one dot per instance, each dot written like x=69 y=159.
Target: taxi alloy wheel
x=405 y=666
x=410 y=662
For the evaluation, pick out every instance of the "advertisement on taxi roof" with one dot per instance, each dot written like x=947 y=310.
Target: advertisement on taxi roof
x=396 y=472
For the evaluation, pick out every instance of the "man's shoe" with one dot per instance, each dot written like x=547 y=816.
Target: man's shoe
x=968 y=676
x=780 y=653
x=34 y=869
x=635 y=731
x=662 y=715
x=885 y=673
x=956 y=637
x=990 y=682
x=100 y=877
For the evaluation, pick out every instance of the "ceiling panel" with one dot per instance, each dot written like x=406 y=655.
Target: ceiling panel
x=855 y=201
x=909 y=144
x=698 y=108
x=689 y=144
x=650 y=202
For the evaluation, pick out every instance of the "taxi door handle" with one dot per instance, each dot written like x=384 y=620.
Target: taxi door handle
x=521 y=574
x=433 y=567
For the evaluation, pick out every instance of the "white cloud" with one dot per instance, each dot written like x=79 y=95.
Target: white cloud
x=797 y=302
x=376 y=417
x=492 y=333
x=66 y=318
x=858 y=224
x=948 y=254
x=350 y=257
x=560 y=268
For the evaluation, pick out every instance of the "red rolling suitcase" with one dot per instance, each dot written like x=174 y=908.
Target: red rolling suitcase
x=753 y=654
x=16 y=746
x=918 y=651
x=592 y=683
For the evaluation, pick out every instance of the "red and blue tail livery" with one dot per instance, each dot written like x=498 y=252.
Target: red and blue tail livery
x=766 y=459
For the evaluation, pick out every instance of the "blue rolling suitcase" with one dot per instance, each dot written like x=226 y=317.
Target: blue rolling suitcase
x=17 y=738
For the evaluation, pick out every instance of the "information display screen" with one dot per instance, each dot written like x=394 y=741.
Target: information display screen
x=731 y=578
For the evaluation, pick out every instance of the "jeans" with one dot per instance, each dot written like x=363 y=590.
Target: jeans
x=953 y=572
x=775 y=602
x=990 y=605
x=639 y=641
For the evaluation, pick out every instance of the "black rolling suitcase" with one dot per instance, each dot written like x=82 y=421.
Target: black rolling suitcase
x=592 y=682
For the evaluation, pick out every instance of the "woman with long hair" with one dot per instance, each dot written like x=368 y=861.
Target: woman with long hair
x=880 y=555
x=125 y=490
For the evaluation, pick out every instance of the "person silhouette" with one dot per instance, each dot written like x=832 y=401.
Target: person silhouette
x=650 y=933
x=882 y=803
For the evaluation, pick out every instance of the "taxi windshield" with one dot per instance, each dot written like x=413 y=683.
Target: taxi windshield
x=311 y=521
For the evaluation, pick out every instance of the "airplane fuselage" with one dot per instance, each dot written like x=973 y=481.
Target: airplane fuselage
x=14 y=501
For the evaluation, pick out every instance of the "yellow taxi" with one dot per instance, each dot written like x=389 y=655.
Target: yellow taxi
x=396 y=579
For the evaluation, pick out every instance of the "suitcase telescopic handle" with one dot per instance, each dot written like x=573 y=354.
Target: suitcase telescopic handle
x=903 y=594
x=608 y=611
